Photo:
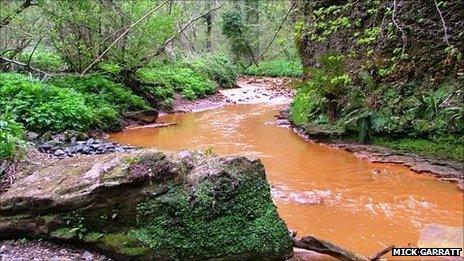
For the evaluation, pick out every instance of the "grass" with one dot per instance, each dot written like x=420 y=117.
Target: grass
x=443 y=148
x=276 y=68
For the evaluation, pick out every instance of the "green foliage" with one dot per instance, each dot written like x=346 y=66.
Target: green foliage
x=222 y=216
x=218 y=68
x=447 y=147
x=43 y=59
x=325 y=88
x=276 y=68
x=235 y=29
x=307 y=105
x=80 y=37
x=12 y=135
x=177 y=77
x=107 y=99
x=67 y=103
x=100 y=89
x=111 y=68
x=42 y=107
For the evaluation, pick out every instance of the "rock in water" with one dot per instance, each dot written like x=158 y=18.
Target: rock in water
x=147 y=116
x=149 y=205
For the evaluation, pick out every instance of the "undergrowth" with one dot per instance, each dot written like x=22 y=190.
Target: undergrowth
x=12 y=135
x=276 y=68
x=444 y=147
x=66 y=103
x=176 y=77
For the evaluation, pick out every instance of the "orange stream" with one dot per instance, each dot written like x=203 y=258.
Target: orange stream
x=364 y=206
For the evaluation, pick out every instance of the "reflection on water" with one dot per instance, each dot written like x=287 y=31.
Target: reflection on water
x=318 y=190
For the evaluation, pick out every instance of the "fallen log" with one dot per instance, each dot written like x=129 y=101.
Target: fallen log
x=324 y=247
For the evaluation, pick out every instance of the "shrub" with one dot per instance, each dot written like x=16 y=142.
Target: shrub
x=43 y=59
x=100 y=90
x=106 y=98
x=218 y=68
x=177 y=77
x=42 y=107
x=276 y=68
x=12 y=135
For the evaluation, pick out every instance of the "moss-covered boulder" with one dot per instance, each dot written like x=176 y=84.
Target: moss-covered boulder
x=150 y=206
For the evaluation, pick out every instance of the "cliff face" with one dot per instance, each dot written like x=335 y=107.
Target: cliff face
x=149 y=205
x=419 y=38
x=387 y=68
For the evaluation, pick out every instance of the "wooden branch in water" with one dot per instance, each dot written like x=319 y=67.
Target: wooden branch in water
x=327 y=248
x=382 y=252
x=324 y=247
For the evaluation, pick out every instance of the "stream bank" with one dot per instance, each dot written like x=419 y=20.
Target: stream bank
x=444 y=170
x=318 y=190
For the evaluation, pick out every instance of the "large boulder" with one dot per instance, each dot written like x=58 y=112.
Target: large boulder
x=147 y=205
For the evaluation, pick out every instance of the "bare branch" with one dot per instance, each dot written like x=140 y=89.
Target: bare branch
x=324 y=247
x=445 y=29
x=277 y=32
x=161 y=48
x=122 y=35
x=10 y=17
x=24 y=65
x=403 y=35
x=33 y=51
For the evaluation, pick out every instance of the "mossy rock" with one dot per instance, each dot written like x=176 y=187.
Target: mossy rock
x=148 y=205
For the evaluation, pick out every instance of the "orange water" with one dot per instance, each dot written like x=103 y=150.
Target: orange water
x=359 y=205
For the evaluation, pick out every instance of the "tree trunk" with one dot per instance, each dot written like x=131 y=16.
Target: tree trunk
x=209 y=27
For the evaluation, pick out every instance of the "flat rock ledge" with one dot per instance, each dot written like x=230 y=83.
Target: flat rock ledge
x=148 y=205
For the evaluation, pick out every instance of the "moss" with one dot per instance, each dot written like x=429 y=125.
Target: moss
x=224 y=215
x=445 y=147
x=124 y=244
x=65 y=233
x=93 y=237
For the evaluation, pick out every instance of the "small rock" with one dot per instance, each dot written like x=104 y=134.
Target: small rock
x=3 y=249
x=46 y=136
x=90 y=141
x=82 y=136
x=119 y=149
x=59 y=152
x=32 y=136
x=87 y=256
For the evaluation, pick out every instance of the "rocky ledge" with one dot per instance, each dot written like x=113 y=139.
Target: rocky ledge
x=71 y=143
x=147 y=205
x=445 y=170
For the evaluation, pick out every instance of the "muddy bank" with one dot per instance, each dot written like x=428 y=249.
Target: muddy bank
x=445 y=170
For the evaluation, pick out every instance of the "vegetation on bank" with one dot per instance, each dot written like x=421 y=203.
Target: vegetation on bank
x=378 y=82
x=276 y=68
x=450 y=147
x=11 y=138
